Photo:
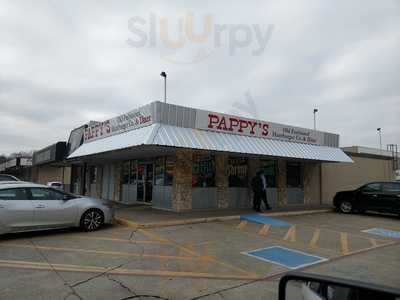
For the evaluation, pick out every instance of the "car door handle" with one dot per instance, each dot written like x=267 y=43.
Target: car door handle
x=1 y=206
x=374 y=195
x=40 y=206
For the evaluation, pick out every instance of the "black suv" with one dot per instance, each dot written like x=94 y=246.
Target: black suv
x=374 y=196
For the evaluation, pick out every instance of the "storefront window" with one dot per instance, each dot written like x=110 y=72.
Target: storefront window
x=129 y=172
x=203 y=171
x=294 y=175
x=237 y=172
x=159 y=171
x=169 y=170
x=163 y=172
x=125 y=172
x=133 y=172
x=269 y=167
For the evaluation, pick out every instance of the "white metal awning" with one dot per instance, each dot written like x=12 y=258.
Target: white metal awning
x=173 y=136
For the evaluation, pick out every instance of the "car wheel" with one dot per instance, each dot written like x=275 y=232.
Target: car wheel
x=346 y=207
x=92 y=220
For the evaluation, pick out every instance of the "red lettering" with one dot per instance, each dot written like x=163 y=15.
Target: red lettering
x=265 y=129
x=243 y=124
x=222 y=124
x=252 y=125
x=233 y=123
x=212 y=119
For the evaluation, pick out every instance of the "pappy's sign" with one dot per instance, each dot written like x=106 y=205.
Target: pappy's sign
x=238 y=125
x=132 y=120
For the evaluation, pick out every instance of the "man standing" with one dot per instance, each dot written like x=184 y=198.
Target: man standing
x=264 y=191
x=259 y=186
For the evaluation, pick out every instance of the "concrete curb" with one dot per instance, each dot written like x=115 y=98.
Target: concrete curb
x=135 y=225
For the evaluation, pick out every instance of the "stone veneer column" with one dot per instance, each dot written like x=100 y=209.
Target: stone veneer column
x=281 y=184
x=221 y=180
x=117 y=181
x=182 y=182
x=311 y=182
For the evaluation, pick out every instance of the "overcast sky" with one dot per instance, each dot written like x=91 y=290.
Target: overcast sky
x=63 y=63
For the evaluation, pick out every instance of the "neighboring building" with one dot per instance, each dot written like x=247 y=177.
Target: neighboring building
x=49 y=165
x=20 y=167
x=180 y=158
x=369 y=165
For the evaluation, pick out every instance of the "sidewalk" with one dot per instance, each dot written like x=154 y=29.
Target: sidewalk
x=147 y=217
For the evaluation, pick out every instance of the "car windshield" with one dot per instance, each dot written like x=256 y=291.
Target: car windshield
x=7 y=178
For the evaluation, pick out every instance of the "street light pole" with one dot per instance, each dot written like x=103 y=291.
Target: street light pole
x=163 y=74
x=315 y=121
x=380 y=137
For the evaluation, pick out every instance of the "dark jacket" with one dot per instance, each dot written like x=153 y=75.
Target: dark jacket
x=257 y=184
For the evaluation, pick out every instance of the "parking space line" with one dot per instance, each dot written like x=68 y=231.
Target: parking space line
x=315 y=238
x=120 y=271
x=194 y=253
x=344 y=241
x=291 y=234
x=264 y=230
x=114 y=253
x=130 y=241
x=373 y=242
x=242 y=225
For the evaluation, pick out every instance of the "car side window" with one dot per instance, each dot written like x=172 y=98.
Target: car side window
x=13 y=194
x=372 y=187
x=391 y=187
x=40 y=194
x=56 y=195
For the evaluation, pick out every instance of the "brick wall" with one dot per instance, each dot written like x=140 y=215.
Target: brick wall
x=221 y=180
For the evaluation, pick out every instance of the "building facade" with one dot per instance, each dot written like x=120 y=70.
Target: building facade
x=20 y=167
x=180 y=158
x=49 y=165
x=369 y=165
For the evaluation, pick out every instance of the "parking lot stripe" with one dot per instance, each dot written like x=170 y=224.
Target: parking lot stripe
x=344 y=241
x=315 y=238
x=130 y=241
x=120 y=271
x=291 y=234
x=114 y=253
x=242 y=225
x=373 y=242
x=194 y=253
x=264 y=230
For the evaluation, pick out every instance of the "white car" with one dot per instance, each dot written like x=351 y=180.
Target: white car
x=28 y=206
x=56 y=184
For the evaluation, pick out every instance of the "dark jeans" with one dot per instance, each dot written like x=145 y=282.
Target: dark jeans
x=258 y=197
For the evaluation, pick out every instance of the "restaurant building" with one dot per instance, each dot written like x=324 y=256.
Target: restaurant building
x=180 y=158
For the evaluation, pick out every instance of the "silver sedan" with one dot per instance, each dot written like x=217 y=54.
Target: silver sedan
x=27 y=207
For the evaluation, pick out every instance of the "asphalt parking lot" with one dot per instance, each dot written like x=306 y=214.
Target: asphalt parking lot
x=199 y=261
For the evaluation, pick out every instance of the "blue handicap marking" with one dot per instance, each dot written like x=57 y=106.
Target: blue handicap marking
x=288 y=258
x=384 y=232
x=261 y=219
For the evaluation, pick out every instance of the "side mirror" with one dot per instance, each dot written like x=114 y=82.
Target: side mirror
x=301 y=286
x=66 y=198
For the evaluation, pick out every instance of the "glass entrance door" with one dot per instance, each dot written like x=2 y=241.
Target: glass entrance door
x=145 y=182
